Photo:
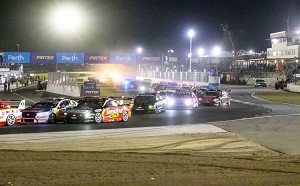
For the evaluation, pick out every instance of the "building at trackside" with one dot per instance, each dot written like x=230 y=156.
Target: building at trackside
x=284 y=52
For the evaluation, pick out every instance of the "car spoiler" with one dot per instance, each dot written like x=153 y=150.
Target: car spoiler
x=123 y=100
x=21 y=105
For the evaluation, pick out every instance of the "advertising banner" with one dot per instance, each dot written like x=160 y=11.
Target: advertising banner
x=71 y=58
x=122 y=58
x=16 y=57
x=89 y=85
x=96 y=58
x=150 y=60
x=89 y=92
x=42 y=57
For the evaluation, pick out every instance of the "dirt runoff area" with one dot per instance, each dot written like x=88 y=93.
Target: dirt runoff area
x=181 y=159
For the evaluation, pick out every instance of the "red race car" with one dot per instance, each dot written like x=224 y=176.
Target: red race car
x=215 y=98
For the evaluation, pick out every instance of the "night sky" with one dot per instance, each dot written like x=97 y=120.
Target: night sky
x=155 y=25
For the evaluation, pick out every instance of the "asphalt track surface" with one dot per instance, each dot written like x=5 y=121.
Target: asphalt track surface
x=240 y=108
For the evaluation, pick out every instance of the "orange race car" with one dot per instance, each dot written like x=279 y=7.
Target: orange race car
x=9 y=115
x=97 y=110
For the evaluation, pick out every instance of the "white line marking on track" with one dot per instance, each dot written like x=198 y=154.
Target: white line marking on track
x=259 y=117
x=24 y=97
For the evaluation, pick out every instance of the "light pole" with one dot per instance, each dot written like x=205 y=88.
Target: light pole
x=191 y=34
x=18 y=46
x=139 y=51
x=216 y=53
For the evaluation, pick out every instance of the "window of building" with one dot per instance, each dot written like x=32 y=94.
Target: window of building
x=270 y=54
x=291 y=52
x=289 y=39
x=279 y=53
x=286 y=52
x=274 y=53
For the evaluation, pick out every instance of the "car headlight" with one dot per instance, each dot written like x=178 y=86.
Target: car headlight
x=216 y=100
x=188 y=102
x=171 y=102
x=42 y=114
x=87 y=114
x=151 y=106
x=142 y=88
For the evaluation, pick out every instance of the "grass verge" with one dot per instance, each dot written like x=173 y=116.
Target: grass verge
x=280 y=96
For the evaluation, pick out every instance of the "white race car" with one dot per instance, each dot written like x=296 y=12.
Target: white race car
x=9 y=115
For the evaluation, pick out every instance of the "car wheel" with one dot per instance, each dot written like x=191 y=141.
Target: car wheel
x=125 y=116
x=98 y=117
x=52 y=119
x=10 y=120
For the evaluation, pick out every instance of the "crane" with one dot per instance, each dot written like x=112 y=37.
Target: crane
x=227 y=32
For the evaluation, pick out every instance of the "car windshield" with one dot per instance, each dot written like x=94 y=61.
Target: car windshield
x=211 y=94
x=140 y=99
x=44 y=105
x=90 y=103
x=165 y=93
x=260 y=81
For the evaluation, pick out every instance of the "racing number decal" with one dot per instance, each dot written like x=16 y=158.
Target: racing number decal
x=114 y=115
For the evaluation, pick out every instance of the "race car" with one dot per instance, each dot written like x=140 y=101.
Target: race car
x=97 y=110
x=182 y=100
x=215 y=98
x=9 y=115
x=148 y=102
x=47 y=110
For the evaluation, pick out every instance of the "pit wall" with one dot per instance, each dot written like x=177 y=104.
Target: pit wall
x=212 y=80
x=67 y=90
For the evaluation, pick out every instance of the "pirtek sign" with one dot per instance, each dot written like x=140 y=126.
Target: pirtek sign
x=151 y=59
x=43 y=57
x=96 y=57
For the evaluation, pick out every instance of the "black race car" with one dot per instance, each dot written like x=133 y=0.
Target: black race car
x=148 y=102
x=97 y=110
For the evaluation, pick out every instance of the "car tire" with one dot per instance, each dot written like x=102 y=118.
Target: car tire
x=10 y=120
x=98 y=117
x=52 y=119
x=125 y=116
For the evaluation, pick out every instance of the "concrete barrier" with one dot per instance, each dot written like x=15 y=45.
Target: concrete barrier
x=67 y=90
x=293 y=87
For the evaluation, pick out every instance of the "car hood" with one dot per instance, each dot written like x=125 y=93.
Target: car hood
x=209 y=97
x=143 y=103
x=79 y=110
x=33 y=109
